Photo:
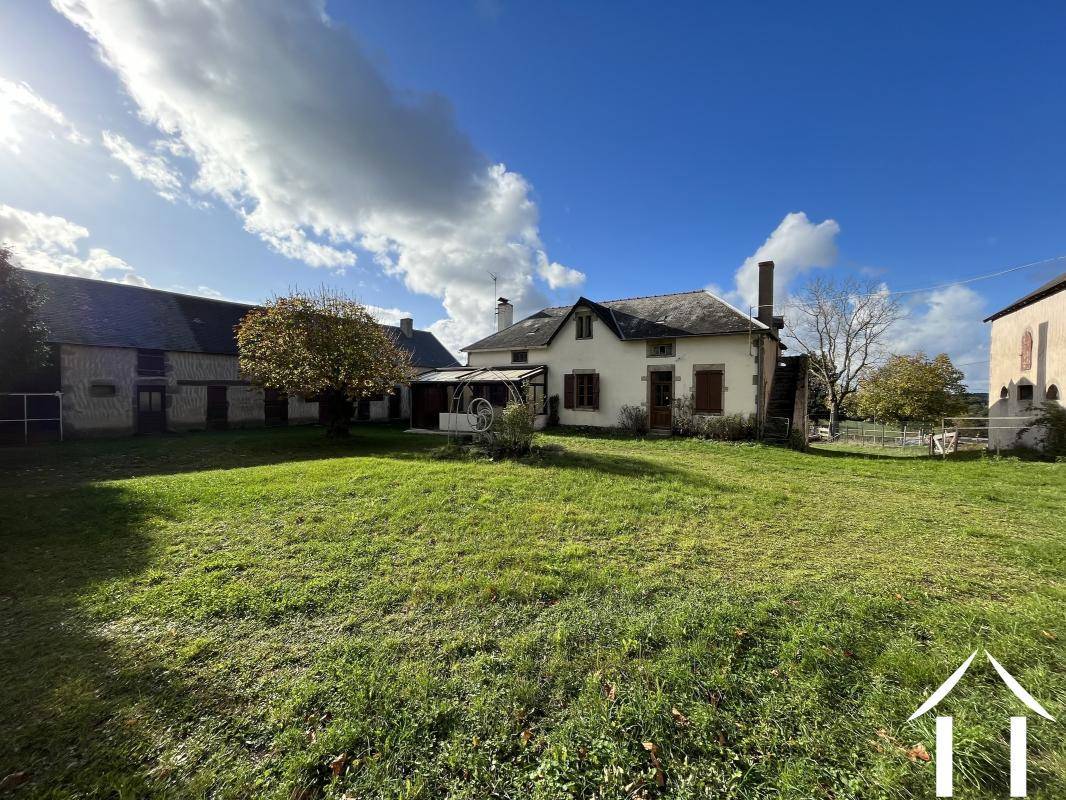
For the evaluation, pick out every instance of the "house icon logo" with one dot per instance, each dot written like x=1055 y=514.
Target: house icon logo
x=944 y=729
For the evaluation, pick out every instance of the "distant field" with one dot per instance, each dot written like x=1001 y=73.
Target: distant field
x=271 y=614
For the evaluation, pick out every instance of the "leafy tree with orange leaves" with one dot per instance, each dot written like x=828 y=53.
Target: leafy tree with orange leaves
x=321 y=344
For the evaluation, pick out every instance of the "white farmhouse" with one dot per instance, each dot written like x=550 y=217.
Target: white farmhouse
x=642 y=351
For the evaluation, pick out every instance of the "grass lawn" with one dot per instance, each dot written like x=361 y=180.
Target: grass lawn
x=271 y=614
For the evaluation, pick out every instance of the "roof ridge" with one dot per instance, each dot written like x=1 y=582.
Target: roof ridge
x=106 y=282
x=649 y=296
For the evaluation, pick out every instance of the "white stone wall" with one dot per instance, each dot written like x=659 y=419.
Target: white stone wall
x=186 y=405
x=81 y=367
x=623 y=369
x=1046 y=322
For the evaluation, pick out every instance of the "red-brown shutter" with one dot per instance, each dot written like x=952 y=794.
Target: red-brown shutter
x=715 y=399
x=703 y=394
x=568 y=391
x=594 y=401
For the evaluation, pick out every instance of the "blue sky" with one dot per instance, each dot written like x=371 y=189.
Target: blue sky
x=646 y=150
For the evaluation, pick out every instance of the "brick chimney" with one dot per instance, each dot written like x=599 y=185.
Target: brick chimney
x=407 y=327
x=766 y=293
x=504 y=314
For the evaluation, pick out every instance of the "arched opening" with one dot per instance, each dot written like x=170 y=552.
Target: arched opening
x=1003 y=393
x=1052 y=393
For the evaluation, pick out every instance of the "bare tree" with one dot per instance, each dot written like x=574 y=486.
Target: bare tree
x=842 y=326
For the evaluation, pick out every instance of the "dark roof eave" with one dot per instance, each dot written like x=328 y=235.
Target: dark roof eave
x=1052 y=287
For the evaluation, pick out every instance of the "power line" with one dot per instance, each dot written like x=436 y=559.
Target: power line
x=982 y=277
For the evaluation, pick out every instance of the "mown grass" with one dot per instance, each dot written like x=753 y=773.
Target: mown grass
x=271 y=614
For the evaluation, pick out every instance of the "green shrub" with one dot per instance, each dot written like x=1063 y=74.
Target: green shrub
x=633 y=419
x=728 y=428
x=512 y=430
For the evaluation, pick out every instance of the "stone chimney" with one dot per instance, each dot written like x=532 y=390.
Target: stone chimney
x=766 y=293
x=504 y=314
x=407 y=327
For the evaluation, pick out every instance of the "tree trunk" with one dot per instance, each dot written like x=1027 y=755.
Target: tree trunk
x=338 y=414
x=833 y=418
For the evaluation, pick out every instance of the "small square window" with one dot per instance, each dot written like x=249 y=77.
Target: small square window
x=1025 y=393
x=102 y=390
x=519 y=356
x=660 y=349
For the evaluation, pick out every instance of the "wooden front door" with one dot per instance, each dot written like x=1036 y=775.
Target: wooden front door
x=275 y=408
x=151 y=409
x=217 y=408
x=662 y=398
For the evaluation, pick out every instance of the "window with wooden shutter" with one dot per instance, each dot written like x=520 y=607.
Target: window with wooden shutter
x=708 y=395
x=568 y=391
x=594 y=390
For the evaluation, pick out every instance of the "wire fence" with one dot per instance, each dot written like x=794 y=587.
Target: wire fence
x=27 y=417
x=953 y=435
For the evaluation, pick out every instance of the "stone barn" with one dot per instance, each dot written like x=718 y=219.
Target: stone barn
x=131 y=360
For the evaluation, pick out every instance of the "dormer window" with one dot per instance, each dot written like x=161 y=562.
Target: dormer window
x=584 y=325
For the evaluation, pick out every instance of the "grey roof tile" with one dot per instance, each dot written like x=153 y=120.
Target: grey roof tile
x=663 y=316
x=105 y=314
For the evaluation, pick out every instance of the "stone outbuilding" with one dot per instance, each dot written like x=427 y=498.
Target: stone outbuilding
x=128 y=359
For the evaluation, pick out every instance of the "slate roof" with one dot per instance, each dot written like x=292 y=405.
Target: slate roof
x=1054 y=285
x=662 y=316
x=104 y=314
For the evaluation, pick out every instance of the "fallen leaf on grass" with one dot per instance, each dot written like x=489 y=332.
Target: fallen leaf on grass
x=679 y=719
x=918 y=753
x=1048 y=635
x=337 y=765
x=526 y=736
x=653 y=754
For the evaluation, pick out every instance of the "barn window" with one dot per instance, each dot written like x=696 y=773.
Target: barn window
x=1052 y=392
x=151 y=363
x=1027 y=350
x=519 y=356
x=102 y=390
x=1025 y=393
x=1004 y=393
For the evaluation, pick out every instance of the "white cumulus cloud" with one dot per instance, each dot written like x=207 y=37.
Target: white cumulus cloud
x=796 y=246
x=293 y=126
x=16 y=99
x=53 y=244
x=154 y=169
x=947 y=320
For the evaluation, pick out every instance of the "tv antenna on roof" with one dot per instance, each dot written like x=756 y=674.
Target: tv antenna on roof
x=496 y=308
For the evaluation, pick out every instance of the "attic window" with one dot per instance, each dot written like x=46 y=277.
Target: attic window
x=519 y=356
x=584 y=326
